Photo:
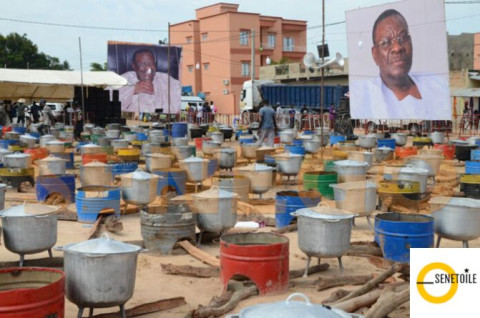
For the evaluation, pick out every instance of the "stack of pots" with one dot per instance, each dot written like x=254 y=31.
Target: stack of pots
x=139 y=187
x=216 y=209
x=87 y=264
x=96 y=173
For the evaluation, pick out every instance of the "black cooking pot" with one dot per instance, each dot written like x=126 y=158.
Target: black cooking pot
x=196 y=133
x=462 y=152
x=227 y=133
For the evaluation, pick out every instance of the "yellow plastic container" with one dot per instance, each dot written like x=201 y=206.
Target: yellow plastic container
x=398 y=187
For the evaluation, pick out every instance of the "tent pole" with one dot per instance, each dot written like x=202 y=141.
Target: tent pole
x=81 y=81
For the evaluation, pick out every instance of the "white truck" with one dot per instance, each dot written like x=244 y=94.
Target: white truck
x=250 y=98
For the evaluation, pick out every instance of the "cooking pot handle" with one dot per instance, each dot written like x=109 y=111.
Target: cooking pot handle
x=307 y=301
x=323 y=204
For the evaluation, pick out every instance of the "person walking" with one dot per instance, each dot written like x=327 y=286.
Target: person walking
x=21 y=111
x=268 y=124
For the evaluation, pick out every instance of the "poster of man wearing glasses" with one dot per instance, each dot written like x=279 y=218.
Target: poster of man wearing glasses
x=149 y=71
x=398 y=66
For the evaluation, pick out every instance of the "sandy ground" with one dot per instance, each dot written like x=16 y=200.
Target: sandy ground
x=152 y=284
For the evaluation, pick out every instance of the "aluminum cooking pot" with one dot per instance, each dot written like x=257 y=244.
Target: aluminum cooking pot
x=456 y=218
x=96 y=173
x=55 y=146
x=350 y=170
x=180 y=141
x=216 y=136
x=216 y=209
x=119 y=143
x=381 y=154
x=156 y=161
x=291 y=308
x=209 y=146
x=289 y=163
x=90 y=148
x=400 y=138
x=100 y=272
x=18 y=160
x=366 y=142
x=139 y=187
x=260 y=177
x=29 y=140
x=46 y=138
x=227 y=157
x=196 y=168
x=415 y=174
x=29 y=229
x=249 y=151
x=52 y=165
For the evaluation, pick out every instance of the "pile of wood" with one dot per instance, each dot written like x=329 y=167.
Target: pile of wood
x=446 y=181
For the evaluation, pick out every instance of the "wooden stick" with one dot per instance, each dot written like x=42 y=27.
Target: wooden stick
x=96 y=227
x=148 y=308
x=325 y=283
x=364 y=250
x=336 y=295
x=199 y=254
x=374 y=282
x=364 y=300
x=387 y=303
x=41 y=262
x=187 y=270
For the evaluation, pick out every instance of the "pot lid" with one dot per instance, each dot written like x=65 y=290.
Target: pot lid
x=194 y=159
x=158 y=155
x=52 y=158
x=384 y=148
x=215 y=193
x=102 y=245
x=47 y=136
x=413 y=170
x=119 y=140
x=226 y=149
x=5 y=151
x=27 y=136
x=28 y=210
x=56 y=142
x=143 y=175
x=90 y=145
x=350 y=163
x=292 y=309
x=18 y=155
x=95 y=163
x=324 y=211
x=462 y=202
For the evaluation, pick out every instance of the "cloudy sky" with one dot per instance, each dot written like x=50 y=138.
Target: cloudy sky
x=118 y=20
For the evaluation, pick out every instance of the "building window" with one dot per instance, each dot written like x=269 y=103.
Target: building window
x=204 y=36
x=272 y=41
x=244 y=37
x=206 y=66
x=288 y=44
x=189 y=39
x=190 y=68
x=245 y=68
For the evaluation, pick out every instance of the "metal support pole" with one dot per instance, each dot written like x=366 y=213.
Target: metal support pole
x=81 y=81
x=322 y=99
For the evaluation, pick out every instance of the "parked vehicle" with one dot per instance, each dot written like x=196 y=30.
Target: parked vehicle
x=192 y=100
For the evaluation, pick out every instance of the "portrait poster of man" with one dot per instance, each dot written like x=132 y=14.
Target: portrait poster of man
x=146 y=68
x=398 y=64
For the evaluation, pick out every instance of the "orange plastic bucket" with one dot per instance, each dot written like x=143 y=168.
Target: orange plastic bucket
x=89 y=157
x=448 y=150
x=404 y=152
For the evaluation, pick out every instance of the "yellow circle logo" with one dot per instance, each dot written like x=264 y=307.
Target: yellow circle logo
x=421 y=284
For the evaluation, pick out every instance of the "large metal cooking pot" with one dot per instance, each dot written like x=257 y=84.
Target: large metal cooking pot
x=119 y=143
x=234 y=183
x=100 y=273
x=46 y=138
x=3 y=153
x=55 y=146
x=289 y=163
x=323 y=232
x=150 y=148
x=227 y=157
x=90 y=148
x=456 y=218
x=180 y=141
x=28 y=140
x=462 y=151
x=114 y=133
x=196 y=168
x=52 y=165
x=293 y=309
x=357 y=197
x=18 y=160
x=96 y=173
x=260 y=177
x=156 y=161
x=350 y=170
x=361 y=156
x=287 y=136
x=367 y=142
x=400 y=138
x=312 y=145
x=139 y=187
x=437 y=137
x=428 y=162
x=249 y=151
x=29 y=229
x=12 y=135
x=183 y=152
x=415 y=174
x=216 y=136
x=216 y=209
x=381 y=154
x=209 y=146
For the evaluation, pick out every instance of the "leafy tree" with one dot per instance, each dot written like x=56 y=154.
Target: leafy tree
x=98 y=67
x=17 y=51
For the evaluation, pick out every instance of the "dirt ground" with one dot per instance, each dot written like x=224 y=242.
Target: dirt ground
x=152 y=284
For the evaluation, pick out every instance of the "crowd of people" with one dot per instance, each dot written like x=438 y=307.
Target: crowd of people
x=200 y=115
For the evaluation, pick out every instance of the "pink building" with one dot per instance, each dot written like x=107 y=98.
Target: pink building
x=217 y=49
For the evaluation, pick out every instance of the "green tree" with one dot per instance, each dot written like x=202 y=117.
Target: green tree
x=17 y=51
x=98 y=67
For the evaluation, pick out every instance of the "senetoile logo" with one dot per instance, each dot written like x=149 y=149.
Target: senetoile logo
x=438 y=282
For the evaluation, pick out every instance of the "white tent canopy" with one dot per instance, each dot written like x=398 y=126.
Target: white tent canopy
x=52 y=85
